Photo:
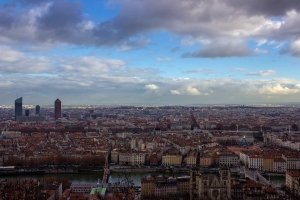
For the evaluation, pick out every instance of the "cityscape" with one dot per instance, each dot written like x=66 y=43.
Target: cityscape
x=169 y=152
x=149 y=100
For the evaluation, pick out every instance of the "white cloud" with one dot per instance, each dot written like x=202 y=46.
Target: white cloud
x=152 y=87
x=127 y=89
x=9 y=55
x=91 y=65
x=278 y=89
x=175 y=92
x=14 y=61
x=295 y=48
x=190 y=90
x=88 y=25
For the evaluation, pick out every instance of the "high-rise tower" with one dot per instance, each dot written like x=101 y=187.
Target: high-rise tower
x=18 y=107
x=57 y=109
x=37 y=110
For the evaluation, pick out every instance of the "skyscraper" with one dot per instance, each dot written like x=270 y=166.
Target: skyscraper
x=37 y=110
x=27 y=112
x=57 y=109
x=18 y=107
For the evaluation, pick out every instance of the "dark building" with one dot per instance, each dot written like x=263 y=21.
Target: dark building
x=37 y=110
x=18 y=107
x=57 y=109
x=27 y=113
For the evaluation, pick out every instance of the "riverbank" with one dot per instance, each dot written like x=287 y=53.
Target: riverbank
x=113 y=169
x=119 y=169
x=48 y=171
x=91 y=177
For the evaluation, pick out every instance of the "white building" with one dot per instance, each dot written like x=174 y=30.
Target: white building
x=279 y=165
x=132 y=158
x=228 y=159
x=292 y=162
x=255 y=162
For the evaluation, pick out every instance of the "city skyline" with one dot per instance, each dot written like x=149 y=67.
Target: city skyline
x=141 y=52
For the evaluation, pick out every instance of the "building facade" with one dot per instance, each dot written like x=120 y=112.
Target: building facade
x=161 y=187
x=210 y=184
x=171 y=160
x=228 y=159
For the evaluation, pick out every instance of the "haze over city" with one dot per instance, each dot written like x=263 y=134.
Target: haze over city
x=142 y=52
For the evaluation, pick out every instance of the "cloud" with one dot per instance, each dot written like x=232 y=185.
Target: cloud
x=91 y=65
x=152 y=87
x=13 y=61
x=269 y=72
x=9 y=55
x=133 y=43
x=175 y=92
x=196 y=21
x=294 y=48
x=279 y=89
x=200 y=71
x=262 y=42
x=220 y=49
x=190 y=90
x=266 y=7
x=83 y=77
x=126 y=87
x=186 y=89
x=62 y=21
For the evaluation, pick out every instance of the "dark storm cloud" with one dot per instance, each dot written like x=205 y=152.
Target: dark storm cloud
x=6 y=19
x=60 y=22
x=65 y=22
x=265 y=7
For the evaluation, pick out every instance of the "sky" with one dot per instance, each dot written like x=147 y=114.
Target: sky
x=145 y=52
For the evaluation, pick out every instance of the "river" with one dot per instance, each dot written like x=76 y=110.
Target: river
x=135 y=177
x=92 y=177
